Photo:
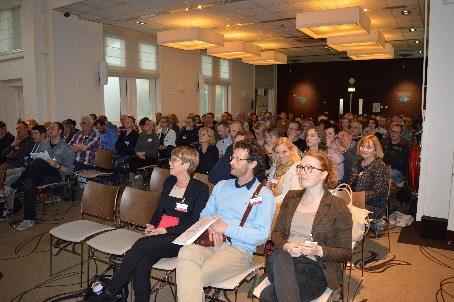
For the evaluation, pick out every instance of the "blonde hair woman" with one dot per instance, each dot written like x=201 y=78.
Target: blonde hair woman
x=282 y=175
x=371 y=175
x=208 y=152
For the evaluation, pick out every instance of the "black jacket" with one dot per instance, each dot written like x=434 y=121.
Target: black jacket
x=195 y=196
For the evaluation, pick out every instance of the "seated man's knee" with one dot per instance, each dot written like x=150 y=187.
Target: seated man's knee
x=188 y=252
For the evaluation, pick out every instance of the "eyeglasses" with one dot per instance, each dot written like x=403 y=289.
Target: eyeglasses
x=174 y=159
x=237 y=158
x=307 y=169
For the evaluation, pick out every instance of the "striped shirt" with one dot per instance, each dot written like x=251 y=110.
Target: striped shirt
x=91 y=140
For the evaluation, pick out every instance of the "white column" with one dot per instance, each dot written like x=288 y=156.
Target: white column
x=435 y=198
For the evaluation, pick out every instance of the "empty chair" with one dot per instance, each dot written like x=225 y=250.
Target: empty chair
x=204 y=178
x=98 y=201
x=136 y=209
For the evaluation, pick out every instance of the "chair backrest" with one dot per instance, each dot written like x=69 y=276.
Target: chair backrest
x=158 y=176
x=104 y=159
x=99 y=200
x=204 y=178
x=359 y=199
x=2 y=175
x=138 y=206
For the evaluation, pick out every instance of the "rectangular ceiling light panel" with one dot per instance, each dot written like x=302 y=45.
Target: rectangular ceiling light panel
x=190 y=38
x=267 y=58
x=373 y=41
x=386 y=53
x=333 y=22
x=235 y=50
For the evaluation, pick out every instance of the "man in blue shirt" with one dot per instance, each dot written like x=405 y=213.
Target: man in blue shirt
x=108 y=134
x=199 y=266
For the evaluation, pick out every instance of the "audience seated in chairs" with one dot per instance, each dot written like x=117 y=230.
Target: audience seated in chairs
x=312 y=236
x=85 y=143
x=282 y=176
x=348 y=148
x=108 y=133
x=188 y=135
x=221 y=170
x=199 y=266
x=371 y=176
x=208 y=152
x=125 y=145
x=146 y=149
x=167 y=141
x=6 y=139
x=15 y=160
x=40 y=171
x=70 y=130
x=182 y=199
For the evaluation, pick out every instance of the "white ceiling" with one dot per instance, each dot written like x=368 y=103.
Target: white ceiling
x=267 y=23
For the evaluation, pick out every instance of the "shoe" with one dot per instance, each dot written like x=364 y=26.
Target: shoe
x=25 y=224
x=6 y=214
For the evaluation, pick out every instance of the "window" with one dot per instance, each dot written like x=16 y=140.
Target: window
x=112 y=99
x=204 y=99
x=224 y=69
x=10 y=30
x=115 y=51
x=207 y=66
x=222 y=93
x=148 y=56
x=128 y=95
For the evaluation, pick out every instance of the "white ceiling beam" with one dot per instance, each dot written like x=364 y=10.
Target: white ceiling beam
x=54 y=4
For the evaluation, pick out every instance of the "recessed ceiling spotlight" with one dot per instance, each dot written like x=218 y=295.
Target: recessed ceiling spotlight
x=420 y=51
x=417 y=41
x=140 y=22
x=365 y=10
x=199 y=6
x=228 y=25
x=412 y=29
x=186 y=9
x=405 y=12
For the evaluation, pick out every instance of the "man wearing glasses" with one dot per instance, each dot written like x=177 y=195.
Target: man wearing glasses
x=85 y=143
x=199 y=266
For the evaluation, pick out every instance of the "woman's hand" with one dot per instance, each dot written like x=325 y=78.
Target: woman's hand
x=140 y=155
x=156 y=231
x=148 y=229
x=311 y=249
x=293 y=249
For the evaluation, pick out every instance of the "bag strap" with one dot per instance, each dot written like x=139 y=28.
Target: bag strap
x=249 y=205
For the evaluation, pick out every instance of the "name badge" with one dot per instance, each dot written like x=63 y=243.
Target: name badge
x=150 y=140
x=184 y=136
x=255 y=201
x=126 y=143
x=181 y=207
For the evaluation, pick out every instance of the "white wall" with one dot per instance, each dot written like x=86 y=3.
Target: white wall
x=243 y=86
x=179 y=70
x=436 y=179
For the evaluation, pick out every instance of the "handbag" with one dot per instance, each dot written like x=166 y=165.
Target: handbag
x=204 y=238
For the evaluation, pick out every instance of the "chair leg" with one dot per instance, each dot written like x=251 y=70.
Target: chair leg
x=81 y=263
x=50 y=254
x=88 y=264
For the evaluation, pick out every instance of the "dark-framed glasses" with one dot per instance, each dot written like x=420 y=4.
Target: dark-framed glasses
x=307 y=169
x=237 y=158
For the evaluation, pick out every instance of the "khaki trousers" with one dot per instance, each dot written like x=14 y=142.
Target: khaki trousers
x=200 y=266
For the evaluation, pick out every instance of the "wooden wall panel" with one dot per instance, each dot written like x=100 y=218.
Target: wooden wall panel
x=316 y=88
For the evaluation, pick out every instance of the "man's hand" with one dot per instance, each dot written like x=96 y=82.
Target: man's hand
x=53 y=163
x=219 y=226
x=216 y=232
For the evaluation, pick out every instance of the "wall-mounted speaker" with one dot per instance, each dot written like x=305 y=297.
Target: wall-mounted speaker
x=102 y=73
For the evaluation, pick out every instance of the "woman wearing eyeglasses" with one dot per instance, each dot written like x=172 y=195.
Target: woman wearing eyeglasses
x=282 y=175
x=371 y=176
x=182 y=199
x=312 y=236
